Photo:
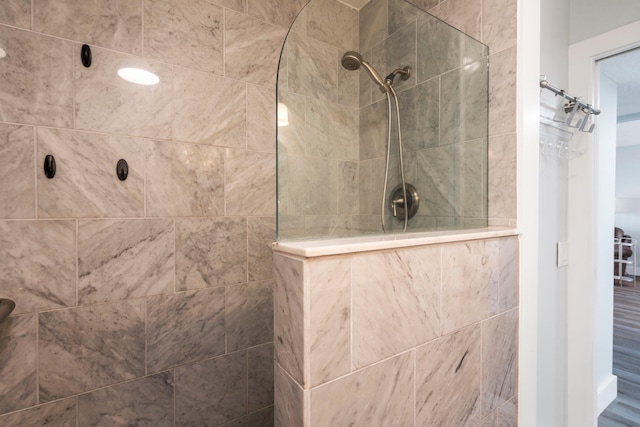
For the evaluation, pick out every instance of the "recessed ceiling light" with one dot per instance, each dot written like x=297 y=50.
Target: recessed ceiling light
x=138 y=76
x=2 y=53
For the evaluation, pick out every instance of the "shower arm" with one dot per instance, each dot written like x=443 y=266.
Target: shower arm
x=405 y=73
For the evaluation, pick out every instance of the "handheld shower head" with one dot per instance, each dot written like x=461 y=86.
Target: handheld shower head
x=353 y=60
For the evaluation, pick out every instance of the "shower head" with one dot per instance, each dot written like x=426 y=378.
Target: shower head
x=353 y=60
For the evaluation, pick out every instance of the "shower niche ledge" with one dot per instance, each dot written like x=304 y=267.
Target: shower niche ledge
x=351 y=245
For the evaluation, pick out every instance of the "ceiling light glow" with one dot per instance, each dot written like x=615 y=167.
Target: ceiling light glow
x=283 y=115
x=138 y=76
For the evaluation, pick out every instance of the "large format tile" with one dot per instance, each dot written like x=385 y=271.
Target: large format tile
x=395 y=303
x=438 y=180
x=210 y=252
x=370 y=184
x=36 y=79
x=499 y=360
x=260 y=376
x=261 y=125
x=16 y=13
x=261 y=235
x=373 y=131
x=86 y=348
x=381 y=395
x=184 y=180
x=311 y=185
x=124 y=259
x=239 y=5
x=502 y=176
x=114 y=24
x=185 y=33
x=212 y=392
x=396 y=51
x=442 y=48
x=247 y=57
x=144 y=402
x=508 y=273
x=250 y=183
x=448 y=380
x=249 y=315
x=288 y=307
x=348 y=194
x=348 y=89
x=289 y=400
x=62 y=413
x=473 y=178
x=331 y=22
x=337 y=141
x=373 y=24
x=86 y=183
x=18 y=349
x=292 y=138
x=401 y=12
x=508 y=414
x=106 y=103
x=502 y=92
x=330 y=319
x=276 y=11
x=312 y=67
x=184 y=328
x=198 y=116
x=463 y=103
x=17 y=192
x=499 y=24
x=261 y=418
x=465 y=15
x=471 y=274
x=419 y=111
x=38 y=264
x=320 y=226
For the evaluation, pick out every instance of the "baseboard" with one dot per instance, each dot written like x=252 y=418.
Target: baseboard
x=607 y=392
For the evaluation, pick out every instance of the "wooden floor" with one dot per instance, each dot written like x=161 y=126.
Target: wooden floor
x=625 y=410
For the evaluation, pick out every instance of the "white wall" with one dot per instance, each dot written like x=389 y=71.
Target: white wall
x=553 y=227
x=592 y=17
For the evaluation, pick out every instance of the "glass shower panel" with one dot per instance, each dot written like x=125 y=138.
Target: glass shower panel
x=332 y=153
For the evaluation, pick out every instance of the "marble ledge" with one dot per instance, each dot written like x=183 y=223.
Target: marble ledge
x=350 y=245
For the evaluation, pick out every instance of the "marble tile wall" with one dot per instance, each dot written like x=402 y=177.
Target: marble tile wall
x=444 y=102
x=417 y=336
x=443 y=108
x=147 y=301
x=318 y=189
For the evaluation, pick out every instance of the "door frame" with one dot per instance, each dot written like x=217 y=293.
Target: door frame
x=584 y=274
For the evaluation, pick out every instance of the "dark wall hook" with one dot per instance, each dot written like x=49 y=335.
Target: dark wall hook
x=49 y=166
x=122 y=169
x=85 y=55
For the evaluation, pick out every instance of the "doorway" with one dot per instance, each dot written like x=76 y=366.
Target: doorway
x=589 y=290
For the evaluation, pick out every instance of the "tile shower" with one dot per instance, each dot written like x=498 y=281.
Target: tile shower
x=149 y=301
x=146 y=301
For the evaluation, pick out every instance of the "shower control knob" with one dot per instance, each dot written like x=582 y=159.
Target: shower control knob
x=409 y=201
